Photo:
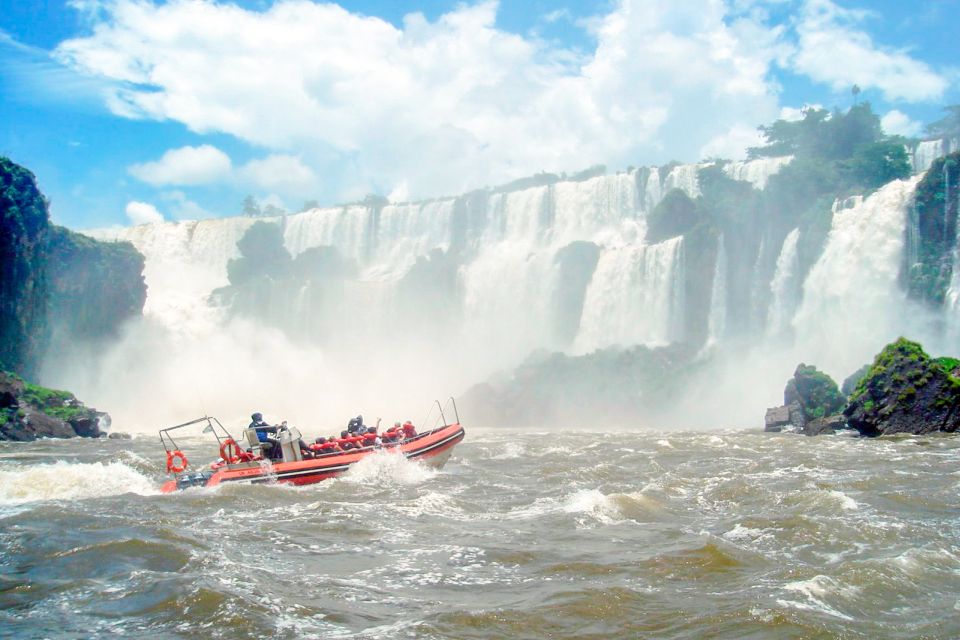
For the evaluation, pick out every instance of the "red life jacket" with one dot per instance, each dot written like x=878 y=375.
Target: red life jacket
x=408 y=430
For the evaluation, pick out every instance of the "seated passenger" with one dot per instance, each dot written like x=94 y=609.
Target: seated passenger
x=393 y=433
x=370 y=438
x=408 y=430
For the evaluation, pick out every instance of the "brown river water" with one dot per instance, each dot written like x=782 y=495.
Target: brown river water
x=572 y=534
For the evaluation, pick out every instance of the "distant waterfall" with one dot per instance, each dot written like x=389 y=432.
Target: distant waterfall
x=756 y=172
x=717 y=320
x=651 y=313
x=784 y=287
x=852 y=304
x=929 y=150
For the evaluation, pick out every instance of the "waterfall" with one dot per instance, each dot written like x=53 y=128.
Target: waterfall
x=852 y=304
x=683 y=177
x=634 y=297
x=929 y=150
x=784 y=287
x=756 y=172
x=717 y=320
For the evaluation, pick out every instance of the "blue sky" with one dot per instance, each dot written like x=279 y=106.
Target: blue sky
x=131 y=110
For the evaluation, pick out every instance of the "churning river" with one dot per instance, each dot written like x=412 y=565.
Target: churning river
x=574 y=534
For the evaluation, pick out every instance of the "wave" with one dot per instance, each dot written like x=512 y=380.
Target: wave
x=20 y=484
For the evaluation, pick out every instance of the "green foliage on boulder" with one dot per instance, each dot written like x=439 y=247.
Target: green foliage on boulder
x=905 y=391
x=815 y=391
x=29 y=411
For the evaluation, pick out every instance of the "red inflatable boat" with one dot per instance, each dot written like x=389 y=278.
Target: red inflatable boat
x=238 y=465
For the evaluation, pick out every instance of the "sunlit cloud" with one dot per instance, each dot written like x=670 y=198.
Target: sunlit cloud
x=835 y=51
x=143 y=213
x=185 y=166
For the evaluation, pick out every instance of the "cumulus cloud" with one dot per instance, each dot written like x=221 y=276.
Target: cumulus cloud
x=143 y=213
x=185 y=166
x=455 y=103
x=900 y=124
x=832 y=49
x=444 y=105
x=283 y=173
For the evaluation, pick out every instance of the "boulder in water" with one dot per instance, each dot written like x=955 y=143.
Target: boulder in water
x=776 y=419
x=29 y=412
x=815 y=392
x=905 y=391
x=825 y=426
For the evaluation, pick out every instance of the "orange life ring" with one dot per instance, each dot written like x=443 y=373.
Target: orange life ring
x=181 y=461
x=230 y=451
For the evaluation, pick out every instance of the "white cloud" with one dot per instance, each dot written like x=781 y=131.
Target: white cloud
x=143 y=213
x=834 y=51
x=900 y=124
x=185 y=166
x=444 y=106
x=732 y=144
x=283 y=173
x=182 y=208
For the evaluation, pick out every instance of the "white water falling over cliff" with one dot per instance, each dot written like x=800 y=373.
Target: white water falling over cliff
x=506 y=244
x=852 y=304
x=929 y=150
x=717 y=320
x=784 y=287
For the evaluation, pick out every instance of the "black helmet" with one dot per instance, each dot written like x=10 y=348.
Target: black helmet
x=257 y=416
x=360 y=419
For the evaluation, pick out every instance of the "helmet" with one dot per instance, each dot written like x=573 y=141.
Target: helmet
x=359 y=418
x=257 y=416
x=371 y=430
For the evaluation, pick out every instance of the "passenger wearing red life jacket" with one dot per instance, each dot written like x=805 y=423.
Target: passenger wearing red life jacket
x=393 y=433
x=371 y=439
x=408 y=430
x=324 y=445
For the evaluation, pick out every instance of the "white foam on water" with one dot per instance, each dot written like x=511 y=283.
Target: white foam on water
x=70 y=481
x=386 y=468
x=816 y=590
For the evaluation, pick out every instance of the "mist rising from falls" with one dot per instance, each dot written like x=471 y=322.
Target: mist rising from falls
x=562 y=266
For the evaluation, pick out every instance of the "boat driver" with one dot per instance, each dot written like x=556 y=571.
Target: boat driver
x=262 y=428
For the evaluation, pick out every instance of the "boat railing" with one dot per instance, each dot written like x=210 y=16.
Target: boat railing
x=213 y=426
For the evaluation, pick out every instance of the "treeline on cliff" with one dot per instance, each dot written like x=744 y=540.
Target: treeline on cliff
x=56 y=286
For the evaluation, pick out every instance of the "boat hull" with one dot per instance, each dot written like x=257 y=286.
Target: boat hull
x=433 y=448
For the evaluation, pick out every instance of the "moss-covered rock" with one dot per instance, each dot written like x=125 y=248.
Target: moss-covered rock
x=905 y=391
x=29 y=411
x=850 y=382
x=815 y=392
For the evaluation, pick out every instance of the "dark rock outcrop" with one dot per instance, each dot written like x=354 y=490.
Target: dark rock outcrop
x=608 y=386
x=55 y=281
x=24 y=236
x=905 y=391
x=28 y=412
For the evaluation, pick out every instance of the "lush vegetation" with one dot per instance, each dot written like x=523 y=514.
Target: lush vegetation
x=815 y=391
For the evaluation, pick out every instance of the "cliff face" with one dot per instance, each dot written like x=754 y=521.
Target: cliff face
x=54 y=279
x=932 y=233
x=94 y=286
x=24 y=236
